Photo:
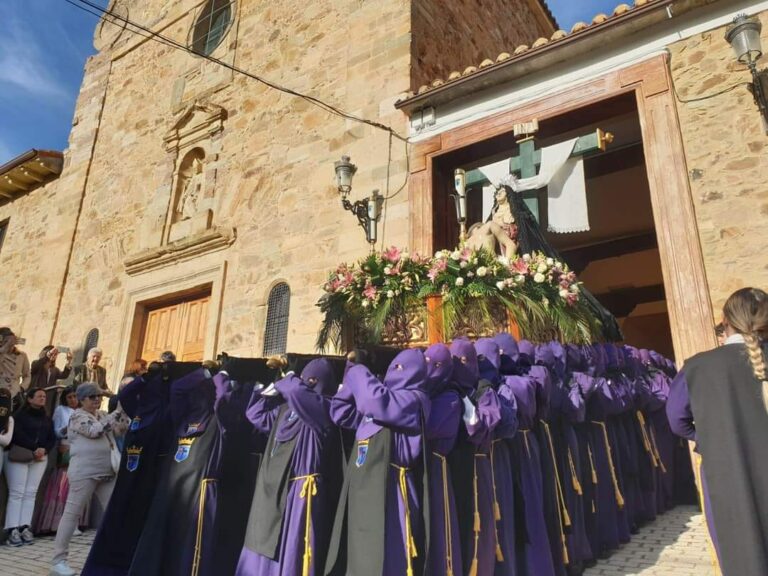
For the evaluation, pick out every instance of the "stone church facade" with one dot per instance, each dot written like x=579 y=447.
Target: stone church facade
x=189 y=193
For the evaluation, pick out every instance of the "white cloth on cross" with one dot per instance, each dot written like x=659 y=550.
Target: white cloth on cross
x=564 y=178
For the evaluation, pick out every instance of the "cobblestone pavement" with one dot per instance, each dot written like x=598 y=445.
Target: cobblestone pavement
x=674 y=545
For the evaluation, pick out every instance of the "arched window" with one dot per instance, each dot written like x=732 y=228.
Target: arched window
x=91 y=341
x=276 y=331
x=211 y=26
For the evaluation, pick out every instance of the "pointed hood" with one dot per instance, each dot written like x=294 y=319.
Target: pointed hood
x=465 y=369
x=527 y=353
x=509 y=352
x=439 y=368
x=407 y=371
x=320 y=375
x=488 y=359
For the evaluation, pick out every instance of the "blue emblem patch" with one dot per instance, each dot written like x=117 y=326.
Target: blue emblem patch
x=135 y=424
x=362 y=453
x=182 y=452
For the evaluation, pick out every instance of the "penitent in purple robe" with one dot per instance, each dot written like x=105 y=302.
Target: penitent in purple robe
x=301 y=415
x=180 y=529
x=442 y=429
x=473 y=476
x=489 y=360
x=396 y=408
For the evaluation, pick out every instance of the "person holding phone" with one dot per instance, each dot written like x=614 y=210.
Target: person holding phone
x=14 y=366
x=45 y=373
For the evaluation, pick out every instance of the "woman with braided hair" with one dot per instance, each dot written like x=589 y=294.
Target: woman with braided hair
x=719 y=400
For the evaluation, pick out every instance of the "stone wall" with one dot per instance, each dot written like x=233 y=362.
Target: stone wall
x=451 y=35
x=725 y=151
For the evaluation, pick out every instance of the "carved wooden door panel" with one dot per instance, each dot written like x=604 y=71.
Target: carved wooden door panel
x=179 y=328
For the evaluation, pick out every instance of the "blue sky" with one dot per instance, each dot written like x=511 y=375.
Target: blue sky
x=43 y=49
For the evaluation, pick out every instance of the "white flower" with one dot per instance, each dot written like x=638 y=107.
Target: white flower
x=365 y=304
x=398 y=292
x=550 y=262
x=500 y=285
x=542 y=268
x=503 y=260
x=520 y=278
x=459 y=281
x=463 y=265
x=563 y=293
x=482 y=271
x=440 y=254
x=390 y=294
x=526 y=257
x=575 y=288
x=387 y=270
x=455 y=255
x=539 y=278
x=470 y=274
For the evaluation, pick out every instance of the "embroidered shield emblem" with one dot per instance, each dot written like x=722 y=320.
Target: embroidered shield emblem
x=182 y=452
x=362 y=453
x=135 y=424
x=134 y=454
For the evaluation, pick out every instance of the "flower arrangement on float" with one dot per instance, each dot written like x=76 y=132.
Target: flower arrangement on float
x=475 y=287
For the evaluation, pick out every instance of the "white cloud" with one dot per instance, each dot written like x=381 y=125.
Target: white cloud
x=23 y=63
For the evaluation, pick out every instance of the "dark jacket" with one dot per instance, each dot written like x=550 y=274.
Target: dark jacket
x=33 y=429
x=42 y=378
x=81 y=375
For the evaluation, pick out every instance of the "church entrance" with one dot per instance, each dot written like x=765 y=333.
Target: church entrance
x=641 y=256
x=177 y=324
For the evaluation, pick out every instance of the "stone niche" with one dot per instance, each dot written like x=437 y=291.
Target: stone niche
x=187 y=216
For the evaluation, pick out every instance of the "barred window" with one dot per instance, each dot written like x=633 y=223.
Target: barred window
x=276 y=331
x=91 y=341
x=211 y=26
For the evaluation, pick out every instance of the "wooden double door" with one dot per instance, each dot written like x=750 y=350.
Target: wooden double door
x=178 y=327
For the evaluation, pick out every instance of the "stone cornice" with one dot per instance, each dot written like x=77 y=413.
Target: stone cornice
x=183 y=249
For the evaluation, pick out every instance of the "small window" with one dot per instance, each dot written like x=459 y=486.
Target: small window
x=211 y=26
x=3 y=230
x=91 y=341
x=276 y=332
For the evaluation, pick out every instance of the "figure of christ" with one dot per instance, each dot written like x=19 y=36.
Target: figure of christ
x=192 y=191
x=501 y=228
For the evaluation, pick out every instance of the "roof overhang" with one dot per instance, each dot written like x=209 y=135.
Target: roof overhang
x=31 y=170
x=616 y=29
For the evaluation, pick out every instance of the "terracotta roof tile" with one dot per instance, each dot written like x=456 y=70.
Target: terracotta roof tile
x=558 y=36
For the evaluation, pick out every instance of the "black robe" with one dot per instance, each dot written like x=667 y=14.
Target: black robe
x=731 y=431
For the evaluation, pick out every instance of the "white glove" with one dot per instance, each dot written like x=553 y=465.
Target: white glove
x=470 y=412
x=270 y=390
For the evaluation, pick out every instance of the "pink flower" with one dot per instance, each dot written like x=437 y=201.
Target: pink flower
x=520 y=266
x=437 y=267
x=465 y=254
x=391 y=254
x=370 y=292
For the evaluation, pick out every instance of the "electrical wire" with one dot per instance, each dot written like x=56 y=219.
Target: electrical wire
x=138 y=29
x=708 y=96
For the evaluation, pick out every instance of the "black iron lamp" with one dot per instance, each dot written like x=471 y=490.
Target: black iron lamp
x=368 y=210
x=744 y=37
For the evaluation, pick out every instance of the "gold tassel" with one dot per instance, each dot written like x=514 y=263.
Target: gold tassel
x=566 y=558
x=499 y=553
x=496 y=511
x=592 y=465
x=574 y=475
x=566 y=516
x=473 y=568
x=477 y=521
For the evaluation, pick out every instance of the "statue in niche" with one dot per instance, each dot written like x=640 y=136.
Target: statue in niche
x=191 y=191
x=500 y=229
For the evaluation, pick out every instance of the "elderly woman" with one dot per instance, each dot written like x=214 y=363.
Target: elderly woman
x=91 y=471
x=91 y=371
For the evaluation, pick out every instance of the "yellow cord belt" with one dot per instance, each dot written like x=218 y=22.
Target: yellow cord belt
x=496 y=507
x=410 y=544
x=619 y=497
x=477 y=526
x=574 y=475
x=562 y=511
x=200 y=518
x=646 y=439
x=525 y=432
x=656 y=449
x=446 y=516
x=308 y=491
